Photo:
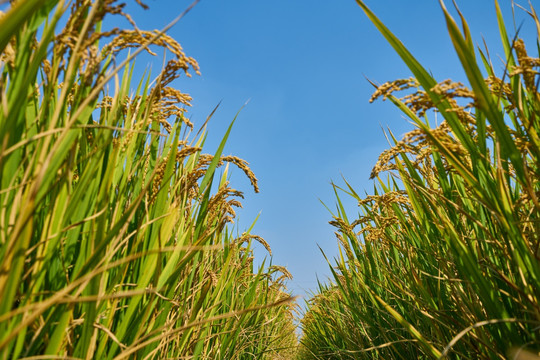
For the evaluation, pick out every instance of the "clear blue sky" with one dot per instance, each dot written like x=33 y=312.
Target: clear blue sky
x=303 y=66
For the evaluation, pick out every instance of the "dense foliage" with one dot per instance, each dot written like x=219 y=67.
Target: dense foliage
x=444 y=258
x=114 y=236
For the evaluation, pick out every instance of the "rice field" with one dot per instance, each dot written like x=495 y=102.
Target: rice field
x=115 y=237
x=116 y=226
x=443 y=260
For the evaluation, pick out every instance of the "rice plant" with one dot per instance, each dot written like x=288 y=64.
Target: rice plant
x=113 y=243
x=443 y=259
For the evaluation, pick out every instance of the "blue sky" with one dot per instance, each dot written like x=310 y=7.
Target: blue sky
x=303 y=67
